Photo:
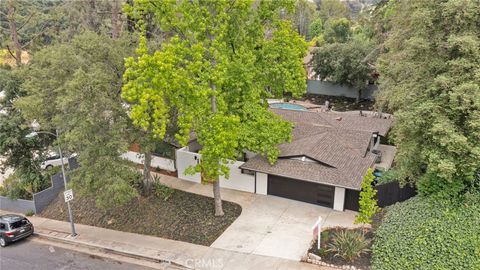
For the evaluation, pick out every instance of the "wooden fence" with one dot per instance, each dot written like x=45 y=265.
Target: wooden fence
x=387 y=194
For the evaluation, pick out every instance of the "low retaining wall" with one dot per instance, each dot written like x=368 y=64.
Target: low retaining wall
x=18 y=206
x=40 y=199
x=43 y=198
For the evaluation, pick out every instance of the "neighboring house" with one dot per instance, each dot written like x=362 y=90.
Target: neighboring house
x=321 y=87
x=324 y=164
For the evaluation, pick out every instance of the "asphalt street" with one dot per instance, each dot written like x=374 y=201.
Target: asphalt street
x=27 y=254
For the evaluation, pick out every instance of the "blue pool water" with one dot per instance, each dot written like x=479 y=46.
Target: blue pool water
x=288 y=106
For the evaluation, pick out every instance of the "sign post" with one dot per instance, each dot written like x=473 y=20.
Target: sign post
x=317 y=229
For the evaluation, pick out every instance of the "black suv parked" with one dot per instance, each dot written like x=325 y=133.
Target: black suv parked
x=14 y=228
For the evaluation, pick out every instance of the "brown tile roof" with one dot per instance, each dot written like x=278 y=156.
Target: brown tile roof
x=339 y=150
x=335 y=119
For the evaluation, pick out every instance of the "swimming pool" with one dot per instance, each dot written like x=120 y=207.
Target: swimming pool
x=288 y=106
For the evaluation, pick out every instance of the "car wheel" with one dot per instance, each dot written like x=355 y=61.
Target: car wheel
x=2 y=242
x=49 y=167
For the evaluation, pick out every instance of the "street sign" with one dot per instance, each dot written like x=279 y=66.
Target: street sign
x=317 y=229
x=68 y=194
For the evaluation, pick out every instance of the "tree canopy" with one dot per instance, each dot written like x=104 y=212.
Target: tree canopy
x=220 y=63
x=430 y=77
x=19 y=152
x=344 y=63
x=75 y=88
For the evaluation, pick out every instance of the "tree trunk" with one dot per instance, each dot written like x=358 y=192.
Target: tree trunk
x=216 y=183
x=130 y=20
x=218 y=198
x=147 y=176
x=14 y=33
x=115 y=19
x=213 y=103
x=359 y=95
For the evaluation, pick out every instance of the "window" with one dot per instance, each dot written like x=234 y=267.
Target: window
x=18 y=224
x=245 y=171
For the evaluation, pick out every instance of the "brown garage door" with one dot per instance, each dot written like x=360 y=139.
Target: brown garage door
x=301 y=190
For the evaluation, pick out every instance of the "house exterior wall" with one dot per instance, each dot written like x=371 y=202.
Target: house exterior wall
x=332 y=89
x=262 y=183
x=157 y=162
x=237 y=180
x=339 y=199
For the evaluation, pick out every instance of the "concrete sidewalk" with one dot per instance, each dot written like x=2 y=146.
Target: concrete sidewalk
x=185 y=255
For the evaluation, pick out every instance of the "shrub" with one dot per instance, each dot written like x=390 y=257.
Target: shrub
x=367 y=202
x=29 y=213
x=426 y=233
x=161 y=190
x=389 y=176
x=349 y=244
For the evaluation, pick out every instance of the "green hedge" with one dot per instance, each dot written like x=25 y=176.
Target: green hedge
x=427 y=234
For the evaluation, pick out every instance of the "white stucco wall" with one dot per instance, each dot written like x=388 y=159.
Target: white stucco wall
x=339 y=200
x=262 y=183
x=157 y=162
x=237 y=180
x=185 y=159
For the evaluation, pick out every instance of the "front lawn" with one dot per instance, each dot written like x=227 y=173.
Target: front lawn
x=184 y=216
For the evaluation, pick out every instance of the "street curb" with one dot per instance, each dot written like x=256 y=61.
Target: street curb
x=109 y=250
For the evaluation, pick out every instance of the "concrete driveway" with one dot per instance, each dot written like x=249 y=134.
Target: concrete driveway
x=268 y=225
x=278 y=227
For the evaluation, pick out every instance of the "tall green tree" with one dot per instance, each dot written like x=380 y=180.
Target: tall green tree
x=430 y=78
x=345 y=64
x=303 y=16
x=20 y=153
x=75 y=88
x=315 y=29
x=333 y=9
x=222 y=60
x=338 y=31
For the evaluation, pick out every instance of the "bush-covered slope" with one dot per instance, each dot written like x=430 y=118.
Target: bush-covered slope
x=423 y=233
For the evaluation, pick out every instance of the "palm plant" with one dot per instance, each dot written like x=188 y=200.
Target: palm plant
x=349 y=244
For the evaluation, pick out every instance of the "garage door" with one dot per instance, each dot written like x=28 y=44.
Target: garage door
x=301 y=190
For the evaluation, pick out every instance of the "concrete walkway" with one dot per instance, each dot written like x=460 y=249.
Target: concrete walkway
x=268 y=225
x=183 y=255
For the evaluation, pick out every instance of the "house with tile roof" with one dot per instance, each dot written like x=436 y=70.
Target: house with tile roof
x=323 y=164
x=326 y=159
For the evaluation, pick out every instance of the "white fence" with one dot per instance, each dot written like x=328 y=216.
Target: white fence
x=237 y=179
x=157 y=162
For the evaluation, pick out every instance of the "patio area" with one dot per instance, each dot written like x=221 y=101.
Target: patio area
x=388 y=154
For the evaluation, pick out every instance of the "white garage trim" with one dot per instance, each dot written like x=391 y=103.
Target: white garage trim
x=261 y=183
x=339 y=199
